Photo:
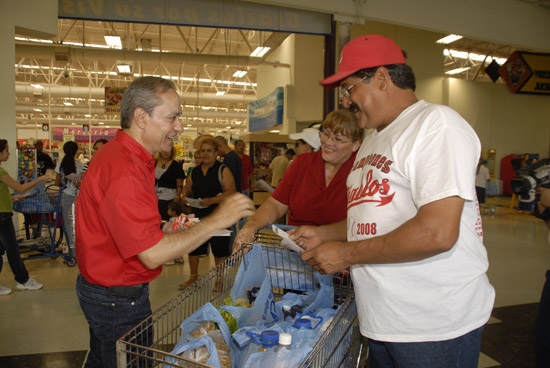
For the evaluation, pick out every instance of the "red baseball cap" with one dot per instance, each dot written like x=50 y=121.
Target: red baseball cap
x=366 y=51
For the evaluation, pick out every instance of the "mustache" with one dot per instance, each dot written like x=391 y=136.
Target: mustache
x=353 y=108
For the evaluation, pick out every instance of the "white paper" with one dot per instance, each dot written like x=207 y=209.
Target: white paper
x=285 y=241
x=194 y=202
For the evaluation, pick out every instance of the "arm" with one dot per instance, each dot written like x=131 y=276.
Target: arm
x=433 y=230
x=543 y=203
x=22 y=188
x=179 y=183
x=57 y=179
x=174 y=245
x=228 y=189
x=268 y=213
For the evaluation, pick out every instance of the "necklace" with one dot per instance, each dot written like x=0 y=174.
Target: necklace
x=163 y=164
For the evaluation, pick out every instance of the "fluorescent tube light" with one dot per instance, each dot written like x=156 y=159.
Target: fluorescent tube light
x=260 y=51
x=239 y=73
x=124 y=68
x=36 y=85
x=449 y=39
x=113 y=41
x=457 y=71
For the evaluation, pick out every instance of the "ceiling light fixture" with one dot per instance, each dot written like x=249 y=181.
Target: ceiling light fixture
x=457 y=71
x=67 y=103
x=274 y=131
x=124 y=68
x=260 y=51
x=449 y=39
x=36 y=85
x=37 y=110
x=239 y=73
x=220 y=93
x=113 y=41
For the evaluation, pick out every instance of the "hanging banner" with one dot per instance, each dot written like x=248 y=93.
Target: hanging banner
x=527 y=72
x=113 y=98
x=267 y=112
x=79 y=135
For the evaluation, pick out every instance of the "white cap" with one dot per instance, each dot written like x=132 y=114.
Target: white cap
x=285 y=338
x=310 y=136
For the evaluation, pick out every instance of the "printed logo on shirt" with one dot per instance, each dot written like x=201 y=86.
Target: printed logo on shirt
x=370 y=191
x=375 y=160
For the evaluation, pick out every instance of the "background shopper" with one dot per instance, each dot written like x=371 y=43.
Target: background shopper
x=8 y=240
x=169 y=177
x=211 y=182
x=68 y=174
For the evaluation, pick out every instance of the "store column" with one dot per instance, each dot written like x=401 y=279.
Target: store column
x=34 y=18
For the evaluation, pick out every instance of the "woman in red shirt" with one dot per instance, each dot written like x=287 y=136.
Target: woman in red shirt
x=314 y=186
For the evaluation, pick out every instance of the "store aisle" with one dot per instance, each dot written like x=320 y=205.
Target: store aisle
x=45 y=328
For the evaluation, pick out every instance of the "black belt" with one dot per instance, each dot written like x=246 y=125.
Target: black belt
x=125 y=291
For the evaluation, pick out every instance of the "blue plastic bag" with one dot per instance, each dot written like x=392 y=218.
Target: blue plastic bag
x=36 y=201
x=252 y=274
x=187 y=342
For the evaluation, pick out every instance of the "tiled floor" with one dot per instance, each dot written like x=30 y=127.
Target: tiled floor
x=46 y=328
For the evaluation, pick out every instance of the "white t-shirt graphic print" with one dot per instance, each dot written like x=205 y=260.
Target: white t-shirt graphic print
x=428 y=153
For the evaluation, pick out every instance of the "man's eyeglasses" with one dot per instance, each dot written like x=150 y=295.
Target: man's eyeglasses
x=326 y=135
x=345 y=92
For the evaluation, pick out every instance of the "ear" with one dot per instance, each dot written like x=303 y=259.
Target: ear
x=140 y=117
x=383 y=79
x=356 y=146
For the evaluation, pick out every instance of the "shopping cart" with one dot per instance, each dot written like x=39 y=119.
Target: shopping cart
x=43 y=229
x=149 y=343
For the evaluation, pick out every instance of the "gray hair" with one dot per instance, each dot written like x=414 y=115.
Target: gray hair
x=143 y=92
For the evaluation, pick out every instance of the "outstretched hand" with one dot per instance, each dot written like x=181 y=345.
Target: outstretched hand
x=232 y=209
x=327 y=258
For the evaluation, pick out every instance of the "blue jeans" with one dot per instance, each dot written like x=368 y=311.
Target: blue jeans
x=542 y=326
x=462 y=352
x=8 y=244
x=109 y=317
x=67 y=201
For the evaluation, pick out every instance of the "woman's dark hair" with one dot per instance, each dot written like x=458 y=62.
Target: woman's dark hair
x=3 y=144
x=176 y=207
x=68 y=165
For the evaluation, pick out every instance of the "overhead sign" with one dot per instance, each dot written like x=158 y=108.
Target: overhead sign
x=113 y=98
x=79 y=135
x=266 y=112
x=207 y=13
x=527 y=72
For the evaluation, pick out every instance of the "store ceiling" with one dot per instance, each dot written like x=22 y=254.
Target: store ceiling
x=200 y=60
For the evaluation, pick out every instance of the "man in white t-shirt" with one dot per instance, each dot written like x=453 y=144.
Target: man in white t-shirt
x=413 y=236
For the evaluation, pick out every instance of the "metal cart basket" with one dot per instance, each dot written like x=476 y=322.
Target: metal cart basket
x=149 y=343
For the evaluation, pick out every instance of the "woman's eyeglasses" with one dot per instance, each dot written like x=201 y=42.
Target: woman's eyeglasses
x=326 y=135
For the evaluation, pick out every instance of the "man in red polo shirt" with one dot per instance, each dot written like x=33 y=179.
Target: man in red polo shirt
x=119 y=244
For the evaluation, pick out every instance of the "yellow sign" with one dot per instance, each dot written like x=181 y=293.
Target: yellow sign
x=527 y=72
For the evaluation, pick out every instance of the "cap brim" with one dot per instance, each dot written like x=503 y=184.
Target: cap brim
x=334 y=80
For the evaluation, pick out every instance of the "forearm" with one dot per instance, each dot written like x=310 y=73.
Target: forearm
x=334 y=232
x=176 y=244
x=269 y=212
x=434 y=230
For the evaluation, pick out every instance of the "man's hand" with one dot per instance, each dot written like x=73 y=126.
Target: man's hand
x=232 y=209
x=327 y=258
x=307 y=237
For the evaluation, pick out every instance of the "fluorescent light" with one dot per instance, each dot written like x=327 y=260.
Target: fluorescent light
x=449 y=39
x=36 y=85
x=88 y=115
x=227 y=127
x=124 y=68
x=472 y=56
x=189 y=125
x=274 y=131
x=37 y=110
x=220 y=93
x=67 y=103
x=457 y=71
x=113 y=41
x=260 y=51
x=101 y=123
x=59 y=118
x=239 y=73
x=238 y=122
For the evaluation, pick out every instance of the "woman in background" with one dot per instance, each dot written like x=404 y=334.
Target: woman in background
x=8 y=240
x=169 y=178
x=69 y=171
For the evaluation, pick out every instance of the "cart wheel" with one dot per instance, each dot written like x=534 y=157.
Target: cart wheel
x=69 y=260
